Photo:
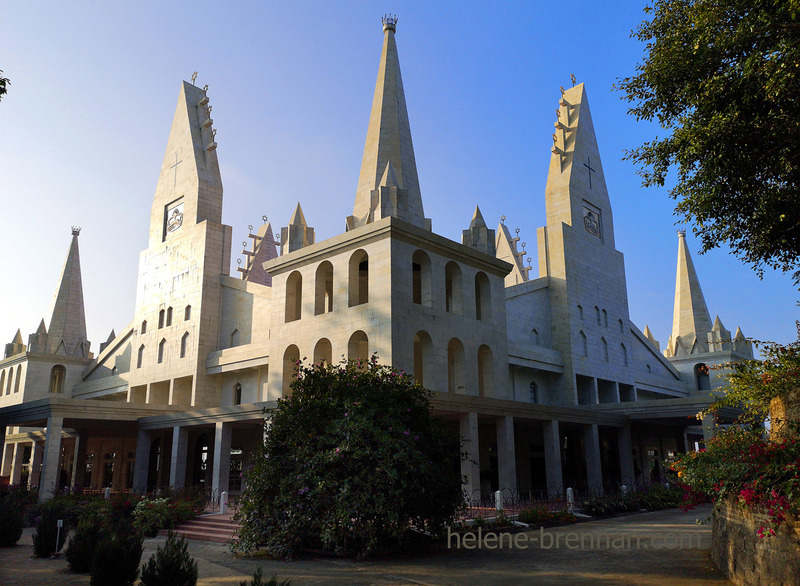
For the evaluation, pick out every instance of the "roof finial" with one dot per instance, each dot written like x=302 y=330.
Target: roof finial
x=681 y=233
x=76 y=230
x=389 y=22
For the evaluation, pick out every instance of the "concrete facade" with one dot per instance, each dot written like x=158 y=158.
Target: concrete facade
x=547 y=377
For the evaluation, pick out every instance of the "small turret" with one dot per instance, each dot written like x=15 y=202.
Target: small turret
x=478 y=236
x=17 y=346
x=297 y=234
x=649 y=335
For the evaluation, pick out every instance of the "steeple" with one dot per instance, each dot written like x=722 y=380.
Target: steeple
x=478 y=236
x=297 y=234
x=17 y=346
x=67 y=330
x=189 y=188
x=691 y=321
x=649 y=335
x=388 y=184
x=506 y=249
x=263 y=249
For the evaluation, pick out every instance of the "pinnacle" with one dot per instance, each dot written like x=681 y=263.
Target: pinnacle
x=298 y=219
x=17 y=338
x=477 y=219
x=42 y=329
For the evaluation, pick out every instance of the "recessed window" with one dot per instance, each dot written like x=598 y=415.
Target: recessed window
x=161 y=315
x=143 y=329
x=533 y=392
x=140 y=356
x=161 y=347
x=57 y=376
x=187 y=313
x=169 y=316
x=237 y=394
x=184 y=344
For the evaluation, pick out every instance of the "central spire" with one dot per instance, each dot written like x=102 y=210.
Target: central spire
x=388 y=160
x=691 y=320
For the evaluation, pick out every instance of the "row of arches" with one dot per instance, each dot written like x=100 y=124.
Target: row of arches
x=357 y=349
x=8 y=380
x=165 y=318
x=601 y=318
x=422 y=293
x=161 y=353
x=424 y=368
x=358 y=287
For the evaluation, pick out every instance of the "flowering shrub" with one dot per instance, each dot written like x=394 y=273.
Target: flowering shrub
x=537 y=514
x=153 y=514
x=738 y=463
x=352 y=460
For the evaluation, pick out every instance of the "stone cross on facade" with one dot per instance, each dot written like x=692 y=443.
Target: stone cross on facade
x=175 y=166
x=588 y=165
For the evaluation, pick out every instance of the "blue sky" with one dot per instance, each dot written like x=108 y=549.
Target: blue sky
x=94 y=87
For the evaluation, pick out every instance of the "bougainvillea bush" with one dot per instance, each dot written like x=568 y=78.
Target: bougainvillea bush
x=353 y=460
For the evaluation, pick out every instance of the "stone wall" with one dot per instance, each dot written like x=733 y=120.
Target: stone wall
x=747 y=559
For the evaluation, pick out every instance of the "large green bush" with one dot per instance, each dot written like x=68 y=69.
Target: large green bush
x=153 y=514
x=171 y=565
x=352 y=460
x=44 y=540
x=655 y=497
x=11 y=520
x=116 y=559
x=83 y=543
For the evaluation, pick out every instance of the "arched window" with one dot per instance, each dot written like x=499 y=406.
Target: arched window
x=10 y=381
x=605 y=318
x=534 y=392
x=359 y=278
x=597 y=315
x=290 y=359
x=16 y=380
x=624 y=354
x=323 y=352
x=237 y=394
x=294 y=296
x=143 y=329
x=649 y=369
x=580 y=312
x=57 y=375
x=421 y=279
x=455 y=366
x=358 y=347
x=114 y=370
x=605 y=349
x=483 y=298
x=161 y=346
x=702 y=377
x=323 y=294
x=2 y=380
x=161 y=319
x=423 y=358
x=485 y=371
x=184 y=344
x=169 y=316
x=452 y=288
x=234 y=338
x=140 y=356
x=187 y=313
x=621 y=327
x=535 y=337
x=584 y=343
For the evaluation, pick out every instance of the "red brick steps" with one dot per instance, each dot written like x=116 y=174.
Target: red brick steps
x=213 y=527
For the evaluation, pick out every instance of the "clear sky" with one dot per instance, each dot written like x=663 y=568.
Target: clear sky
x=94 y=87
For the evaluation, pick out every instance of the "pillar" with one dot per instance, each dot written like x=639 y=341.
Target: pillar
x=506 y=455
x=625 y=445
x=177 y=466
x=8 y=458
x=142 y=461
x=50 y=461
x=36 y=463
x=222 y=457
x=470 y=468
x=594 y=471
x=552 y=458
x=16 y=463
x=78 y=456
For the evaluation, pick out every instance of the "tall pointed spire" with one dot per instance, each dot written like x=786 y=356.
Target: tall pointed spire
x=690 y=319
x=68 y=322
x=388 y=151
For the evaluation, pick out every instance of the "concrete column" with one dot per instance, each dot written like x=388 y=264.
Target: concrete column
x=8 y=458
x=708 y=427
x=552 y=458
x=468 y=428
x=591 y=442
x=16 y=463
x=3 y=448
x=171 y=396
x=142 y=462
x=36 y=462
x=222 y=457
x=625 y=445
x=76 y=458
x=177 y=466
x=52 y=454
x=595 y=392
x=506 y=453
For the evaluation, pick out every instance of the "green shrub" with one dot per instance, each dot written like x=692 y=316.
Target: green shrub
x=153 y=514
x=258 y=580
x=44 y=540
x=171 y=565
x=83 y=543
x=116 y=559
x=11 y=521
x=538 y=514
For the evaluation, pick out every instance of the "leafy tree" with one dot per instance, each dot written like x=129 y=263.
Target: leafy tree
x=723 y=77
x=352 y=460
x=4 y=83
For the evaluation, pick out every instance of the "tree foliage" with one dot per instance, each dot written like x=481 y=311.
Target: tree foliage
x=352 y=460
x=723 y=78
x=4 y=83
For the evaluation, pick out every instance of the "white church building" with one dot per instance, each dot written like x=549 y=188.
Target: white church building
x=545 y=375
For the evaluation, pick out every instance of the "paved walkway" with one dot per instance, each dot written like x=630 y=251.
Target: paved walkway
x=665 y=547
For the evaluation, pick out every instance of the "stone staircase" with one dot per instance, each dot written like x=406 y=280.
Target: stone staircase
x=211 y=527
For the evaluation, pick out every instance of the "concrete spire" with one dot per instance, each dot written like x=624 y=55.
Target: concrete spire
x=690 y=318
x=388 y=147
x=297 y=234
x=478 y=235
x=68 y=321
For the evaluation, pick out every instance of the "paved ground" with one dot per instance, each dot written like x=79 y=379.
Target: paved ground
x=665 y=547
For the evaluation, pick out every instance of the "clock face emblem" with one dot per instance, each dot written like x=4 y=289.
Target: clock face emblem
x=175 y=220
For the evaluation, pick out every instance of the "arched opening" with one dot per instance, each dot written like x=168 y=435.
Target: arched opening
x=359 y=278
x=605 y=319
x=10 y=381
x=323 y=294
x=455 y=366
x=533 y=390
x=161 y=319
x=16 y=380
x=2 y=380
x=57 y=376
x=421 y=279
x=605 y=349
x=452 y=288
x=140 y=356
x=323 y=352
x=184 y=344
x=621 y=327
x=291 y=357
x=187 y=313
x=294 y=296
x=169 y=316
x=234 y=338
x=161 y=347
x=702 y=377
x=597 y=315
x=358 y=347
x=483 y=298
x=143 y=329
x=624 y=354
x=485 y=372
x=237 y=394
x=580 y=312
x=423 y=358
x=584 y=343
x=535 y=337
